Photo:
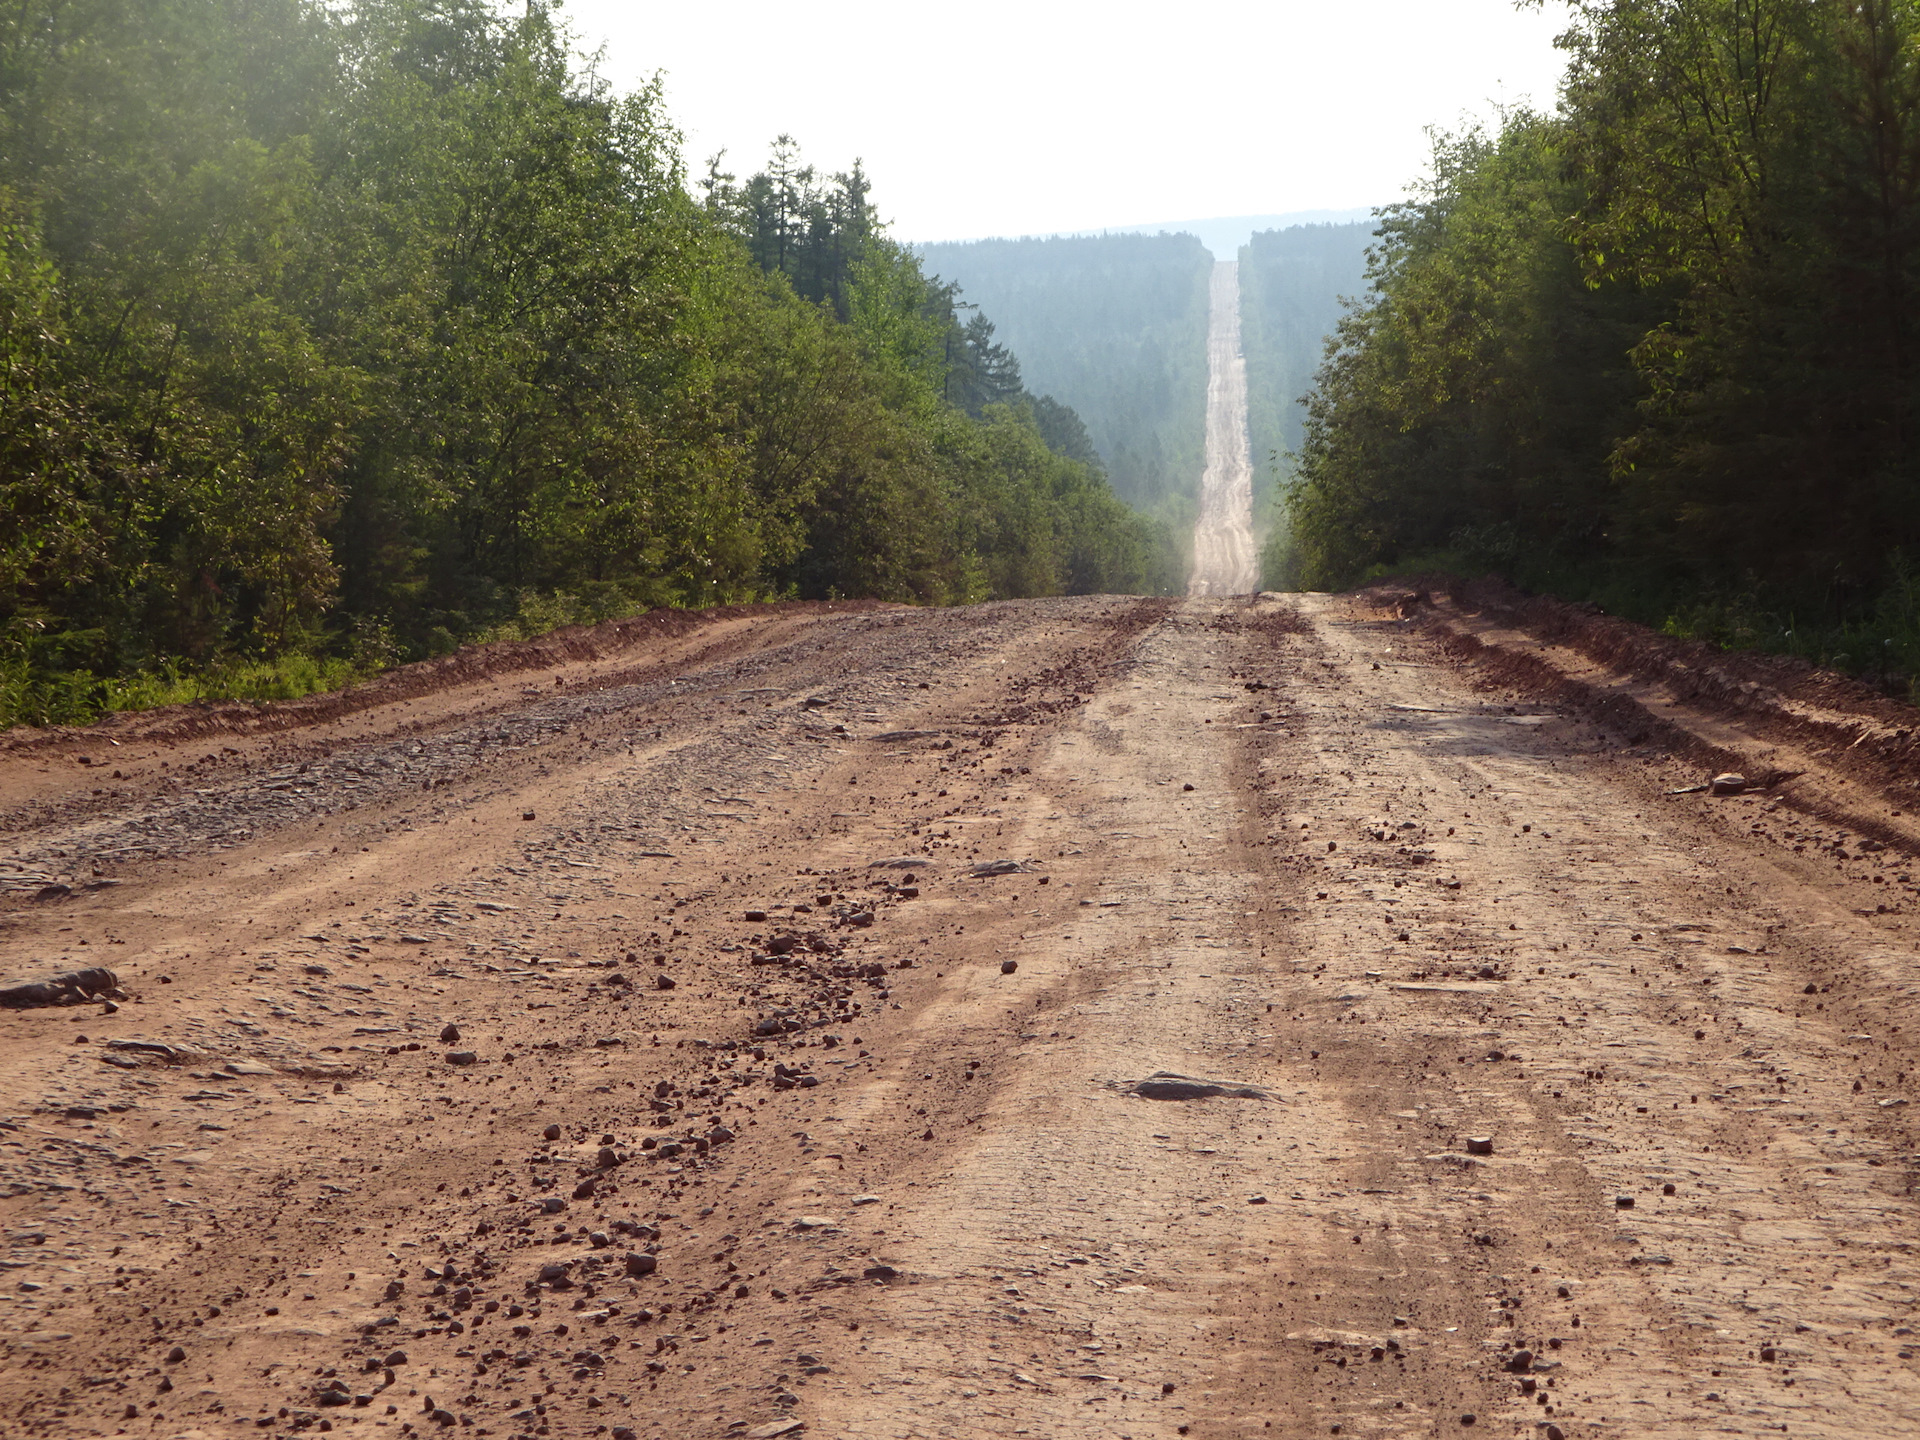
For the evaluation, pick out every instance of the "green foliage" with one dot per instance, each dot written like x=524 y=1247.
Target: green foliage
x=1659 y=345
x=285 y=677
x=1475 y=390
x=335 y=333
x=1114 y=326
x=1292 y=283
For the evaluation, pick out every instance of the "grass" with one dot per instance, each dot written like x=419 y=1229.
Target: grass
x=288 y=677
x=36 y=692
x=31 y=696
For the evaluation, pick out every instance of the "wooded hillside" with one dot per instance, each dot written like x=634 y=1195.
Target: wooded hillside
x=1291 y=284
x=336 y=333
x=1656 y=348
x=1114 y=326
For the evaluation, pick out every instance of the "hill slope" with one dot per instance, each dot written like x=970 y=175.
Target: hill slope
x=1114 y=326
x=1291 y=282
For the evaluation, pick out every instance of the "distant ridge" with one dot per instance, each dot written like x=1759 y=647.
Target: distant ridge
x=1223 y=234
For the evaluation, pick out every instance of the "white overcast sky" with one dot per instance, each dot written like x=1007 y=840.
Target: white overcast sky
x=1011 y=117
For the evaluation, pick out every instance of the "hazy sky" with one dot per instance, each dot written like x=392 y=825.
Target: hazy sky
x=1007 y=117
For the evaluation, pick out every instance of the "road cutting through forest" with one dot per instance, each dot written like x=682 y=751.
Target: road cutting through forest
x=1291 y=1015
x=1224 y=559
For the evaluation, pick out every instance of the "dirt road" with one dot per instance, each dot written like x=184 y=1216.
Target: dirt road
x=655 y=1044
x=1224 y=560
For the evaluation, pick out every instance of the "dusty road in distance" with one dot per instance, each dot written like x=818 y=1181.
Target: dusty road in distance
x=1225 y=560
x=767 y=1114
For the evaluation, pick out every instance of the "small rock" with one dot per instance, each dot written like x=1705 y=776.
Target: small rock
x=1186 y=788
x=552 y=1132
x=1727 y=784
x=1256 y=1200
x=552 y=1205
x=1521 y=1362
x=1768 y=1354
x=1667 y=1189
x=756 y=917
x=599 y=1239
x=719 y=1135
x=1623 y=1202
x=1007 y=967
x=1164 y=1085
x=1479 y=1145
x=638 y=1264
x=462 y=1057
x=526 y=814
x=663 y=982
x=607 y=1158
x=1554 y=1432
x=176 y=1355
x=449 y=1034
x=444 y=1417
x=987 y=869
x=551 y=1272
x=395 y=1360
x=584 y=1190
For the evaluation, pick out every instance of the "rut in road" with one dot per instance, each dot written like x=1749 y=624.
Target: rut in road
x=1224 y=559
x=774 y=1102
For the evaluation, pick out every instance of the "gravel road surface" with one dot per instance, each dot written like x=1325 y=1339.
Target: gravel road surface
x=1224 y=559
x=1290 y=1015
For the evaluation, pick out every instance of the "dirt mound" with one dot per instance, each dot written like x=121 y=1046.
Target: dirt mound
x=1819 y=707
x=1820 y=720
x=572 y=643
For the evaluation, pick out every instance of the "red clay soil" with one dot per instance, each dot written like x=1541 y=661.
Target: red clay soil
x=610 y=639
x=1099 y=1017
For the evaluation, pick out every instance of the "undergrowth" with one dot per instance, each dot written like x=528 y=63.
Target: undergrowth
x=41 y=685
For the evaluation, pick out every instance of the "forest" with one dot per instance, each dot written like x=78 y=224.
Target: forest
x=1292 y=282
x=1115 y=327
x=1657 y=348
x=335 y=334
